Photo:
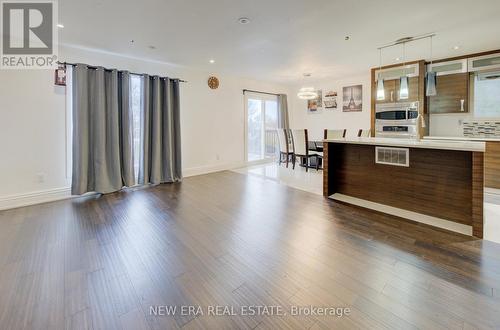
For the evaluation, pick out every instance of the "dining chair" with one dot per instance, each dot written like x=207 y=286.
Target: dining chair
x=286 y=149
x=301 y=148
x=364 y=133
x=335 y=133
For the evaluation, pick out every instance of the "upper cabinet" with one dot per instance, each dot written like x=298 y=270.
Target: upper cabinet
x=390 y=91
x=486 y=62
x=452 y=84
x=452 y=94
x=391 y=78
x=448 y=67
x=412 y=90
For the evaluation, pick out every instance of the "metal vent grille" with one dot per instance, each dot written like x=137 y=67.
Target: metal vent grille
x=392 y=156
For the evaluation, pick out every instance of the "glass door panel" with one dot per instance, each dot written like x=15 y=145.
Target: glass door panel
x=271 y=124
x=262 y=121
x=254 y=130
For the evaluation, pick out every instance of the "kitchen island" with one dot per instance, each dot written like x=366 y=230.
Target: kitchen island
x=439 y=183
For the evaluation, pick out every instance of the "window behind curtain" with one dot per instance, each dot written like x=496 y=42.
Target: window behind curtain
x=135 y=96
x=135 y=101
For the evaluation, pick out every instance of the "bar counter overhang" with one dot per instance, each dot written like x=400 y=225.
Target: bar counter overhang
x=442 y=183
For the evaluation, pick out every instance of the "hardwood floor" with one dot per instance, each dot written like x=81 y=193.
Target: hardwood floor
x=234 y=240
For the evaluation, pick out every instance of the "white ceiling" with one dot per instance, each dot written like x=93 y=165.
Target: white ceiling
x=285 y=38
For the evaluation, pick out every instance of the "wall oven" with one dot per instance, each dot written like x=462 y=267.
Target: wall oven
x=396 y=120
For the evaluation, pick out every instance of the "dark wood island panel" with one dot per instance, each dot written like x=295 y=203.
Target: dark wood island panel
x=446 y=184
x=492 y=165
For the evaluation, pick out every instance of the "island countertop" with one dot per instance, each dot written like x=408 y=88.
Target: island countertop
x=474 y=146
x=463 y=138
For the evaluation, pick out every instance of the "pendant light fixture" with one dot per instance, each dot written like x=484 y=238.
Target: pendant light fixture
x=430 y=77
x=380 y=80
x=307 y=93
x=403 y=81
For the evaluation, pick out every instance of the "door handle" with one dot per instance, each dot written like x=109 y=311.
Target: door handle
x=462 y=104
x=392 y=96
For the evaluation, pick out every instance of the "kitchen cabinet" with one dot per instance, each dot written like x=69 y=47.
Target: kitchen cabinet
x=452 y=94
x=448 y=67
x=390 y=92
x=391 y=88
x=391 y=78
x=412 y=90
x=486 y=62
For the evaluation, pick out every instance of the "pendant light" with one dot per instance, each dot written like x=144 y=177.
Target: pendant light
x=307 y=93
x=380 y=80
x=403 y=81
x=430 y=78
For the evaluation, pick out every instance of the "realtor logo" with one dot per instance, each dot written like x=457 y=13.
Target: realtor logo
x=29 y=35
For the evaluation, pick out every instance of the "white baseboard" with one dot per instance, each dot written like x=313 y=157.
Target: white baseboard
x=193 y=171
x=414 y=216
x=32 y=198
x=52 y=195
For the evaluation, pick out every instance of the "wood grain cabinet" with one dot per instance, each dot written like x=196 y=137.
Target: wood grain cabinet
x=452 y=85
x=452 y=94
x=391 y=78
x=391 y=88
x=390 y=91
x=412 y=90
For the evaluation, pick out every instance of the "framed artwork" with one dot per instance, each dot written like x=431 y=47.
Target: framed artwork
x=352 y=98
x=60 y=77
x=315 y=104
x=330 y=100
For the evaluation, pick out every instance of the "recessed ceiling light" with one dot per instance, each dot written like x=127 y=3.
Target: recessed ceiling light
x=212 y=61
x=243 y=20
x=60 y=26
x=456 y=47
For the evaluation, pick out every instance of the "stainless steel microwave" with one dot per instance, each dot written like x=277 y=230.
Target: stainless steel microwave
x=398 y=120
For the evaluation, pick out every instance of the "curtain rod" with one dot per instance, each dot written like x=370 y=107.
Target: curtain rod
x=134 y=73
x=252 y=91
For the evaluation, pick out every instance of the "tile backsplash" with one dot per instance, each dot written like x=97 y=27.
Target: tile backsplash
x=480 y=128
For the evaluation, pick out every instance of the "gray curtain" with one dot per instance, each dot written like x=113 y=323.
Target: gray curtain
x=160 y=159
x=102 y=131
x=283 y=112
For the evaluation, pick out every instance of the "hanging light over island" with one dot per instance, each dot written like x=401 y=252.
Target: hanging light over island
x=380 y=80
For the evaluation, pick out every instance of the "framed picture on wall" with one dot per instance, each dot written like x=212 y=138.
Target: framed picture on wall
x=352 y=98
x=330 y=100
x=315 y=104
x=60 y=77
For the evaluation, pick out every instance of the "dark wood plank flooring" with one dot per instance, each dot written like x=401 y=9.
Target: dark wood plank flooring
x=236 y=240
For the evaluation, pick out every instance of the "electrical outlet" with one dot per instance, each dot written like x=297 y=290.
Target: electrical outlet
x=40 y=177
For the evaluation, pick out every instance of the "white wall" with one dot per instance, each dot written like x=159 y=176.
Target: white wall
x=33 y=124
x=327 y=118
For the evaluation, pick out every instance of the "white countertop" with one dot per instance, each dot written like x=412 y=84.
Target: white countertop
x=463 y=145
x=461 y=138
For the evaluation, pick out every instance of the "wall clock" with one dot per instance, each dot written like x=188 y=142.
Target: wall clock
x=213 y=82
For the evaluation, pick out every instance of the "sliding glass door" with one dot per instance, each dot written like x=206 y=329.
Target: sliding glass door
x=261 y=125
